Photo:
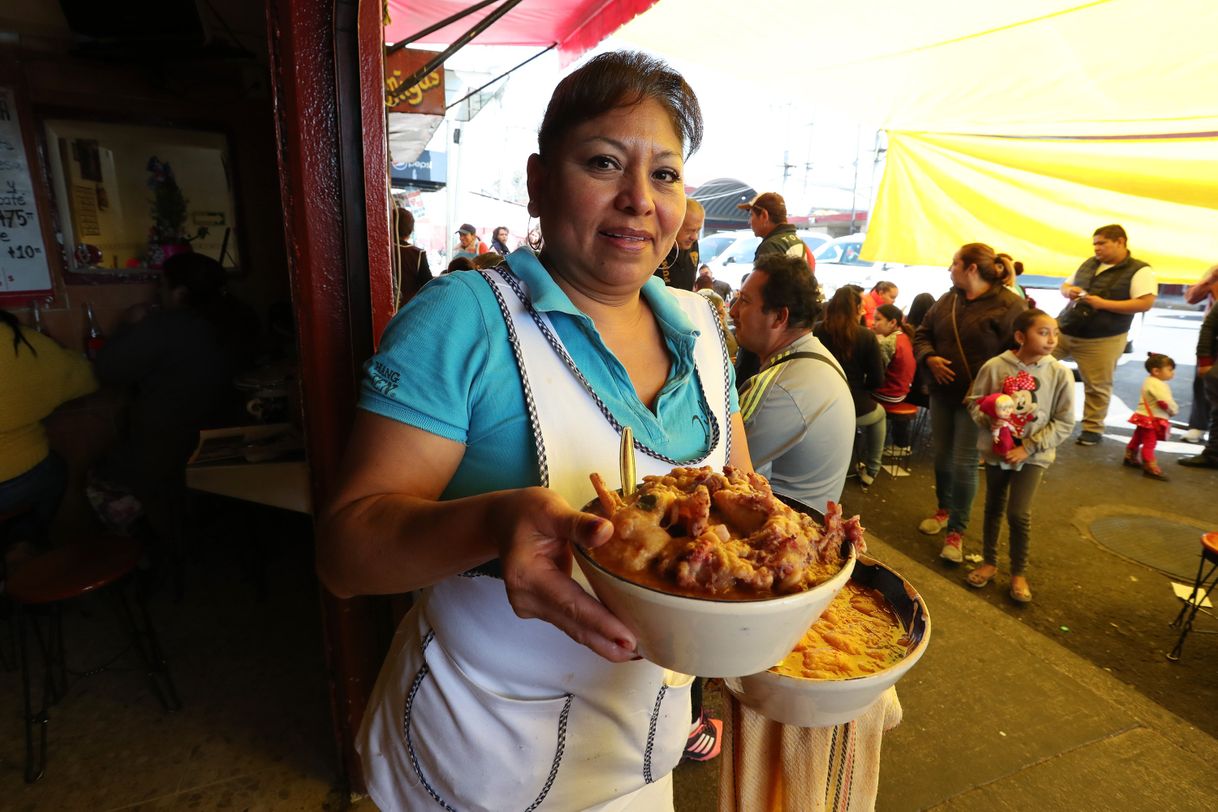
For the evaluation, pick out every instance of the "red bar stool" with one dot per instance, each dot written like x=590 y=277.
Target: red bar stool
x=8 y=656
x=40 y=587
x=1203 y=584
x=909 y=414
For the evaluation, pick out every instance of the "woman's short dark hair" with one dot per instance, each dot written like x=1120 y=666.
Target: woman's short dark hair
x=1112 y=232
x=201 y=276
x=1157 y=360
x=789 y=284
x=620 y=79
x=460 y=264
x=918 y=309
x=989 y=268
x=882 y=287
x=404 y=224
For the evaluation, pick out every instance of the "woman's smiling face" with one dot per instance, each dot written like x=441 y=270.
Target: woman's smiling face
x=611 y=199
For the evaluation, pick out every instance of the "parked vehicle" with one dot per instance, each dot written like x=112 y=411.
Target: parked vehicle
x=838 y=263
x=734 y=262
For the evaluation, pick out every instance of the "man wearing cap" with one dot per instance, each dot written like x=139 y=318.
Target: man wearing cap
x=768 y=219
x=681 y=265
x=470 y=246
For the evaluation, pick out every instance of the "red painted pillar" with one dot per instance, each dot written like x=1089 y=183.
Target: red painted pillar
x=321 y=197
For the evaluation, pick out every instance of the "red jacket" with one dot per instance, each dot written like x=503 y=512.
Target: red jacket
x=900 y=373
x=871 y=303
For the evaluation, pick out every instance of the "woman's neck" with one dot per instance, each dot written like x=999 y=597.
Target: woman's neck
x=604 y=307
x=976 y=287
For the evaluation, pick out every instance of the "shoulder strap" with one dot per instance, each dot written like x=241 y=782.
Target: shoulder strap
x=816 y=356
x=959 y=345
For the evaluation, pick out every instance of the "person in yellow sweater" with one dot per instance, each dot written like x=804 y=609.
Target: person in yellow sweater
x=38 y=375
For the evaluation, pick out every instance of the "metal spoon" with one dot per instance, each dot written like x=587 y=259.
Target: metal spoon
x=626 y=462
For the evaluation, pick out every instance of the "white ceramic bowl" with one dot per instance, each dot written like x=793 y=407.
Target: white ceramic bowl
x=709 y=637
x=806 y=702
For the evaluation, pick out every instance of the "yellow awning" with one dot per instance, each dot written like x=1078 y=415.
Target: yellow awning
x=981 y=99
x=1040 y=199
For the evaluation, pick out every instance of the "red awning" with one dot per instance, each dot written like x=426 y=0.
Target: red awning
x=576 y=25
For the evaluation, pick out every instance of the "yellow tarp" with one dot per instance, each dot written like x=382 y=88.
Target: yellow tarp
x=1040 y=199
x=945 y=76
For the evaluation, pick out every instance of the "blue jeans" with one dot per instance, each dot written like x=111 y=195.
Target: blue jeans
x=954 y=435
x=41 y=488
x=873 y=444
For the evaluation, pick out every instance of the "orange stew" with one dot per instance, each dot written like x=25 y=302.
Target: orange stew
x=702 y=533
x=859 y=634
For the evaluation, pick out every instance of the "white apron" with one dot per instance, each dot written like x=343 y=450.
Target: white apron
x=478 y=709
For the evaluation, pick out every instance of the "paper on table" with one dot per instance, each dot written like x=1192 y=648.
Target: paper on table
x=1184 y=590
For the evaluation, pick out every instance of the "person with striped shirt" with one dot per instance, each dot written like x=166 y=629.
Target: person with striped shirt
x=797 y=410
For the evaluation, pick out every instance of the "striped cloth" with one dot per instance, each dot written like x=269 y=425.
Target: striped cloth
x=769 y=767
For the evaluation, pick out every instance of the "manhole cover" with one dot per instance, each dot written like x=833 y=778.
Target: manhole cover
x=1170 y=547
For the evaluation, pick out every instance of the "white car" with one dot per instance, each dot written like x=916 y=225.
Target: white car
x=838 y=263
x=733 y=261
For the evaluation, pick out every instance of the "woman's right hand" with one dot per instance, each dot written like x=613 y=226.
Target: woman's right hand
x=535 y=553
x=940 y=369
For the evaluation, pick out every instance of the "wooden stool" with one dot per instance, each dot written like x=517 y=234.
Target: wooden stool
x=1203 y=584
x=46 y=582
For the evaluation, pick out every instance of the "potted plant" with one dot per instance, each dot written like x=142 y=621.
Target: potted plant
x=167 y=235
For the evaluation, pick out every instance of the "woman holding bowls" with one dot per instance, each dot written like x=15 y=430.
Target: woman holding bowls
x=492 y=398
x=967 y=326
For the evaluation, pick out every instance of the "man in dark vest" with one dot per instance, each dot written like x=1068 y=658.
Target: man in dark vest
x=768 y=219
x=1105 y=293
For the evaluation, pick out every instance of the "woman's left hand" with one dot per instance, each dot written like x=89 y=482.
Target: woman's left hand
x=537 y=527
x=1016 y=455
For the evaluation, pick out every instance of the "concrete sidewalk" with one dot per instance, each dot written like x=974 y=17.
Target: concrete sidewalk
x=999 y=716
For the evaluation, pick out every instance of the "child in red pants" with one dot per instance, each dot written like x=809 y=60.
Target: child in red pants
x=1150 y=418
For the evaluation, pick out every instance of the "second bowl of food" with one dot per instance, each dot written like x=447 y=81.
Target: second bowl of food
x=873 y=633
x=715 y=575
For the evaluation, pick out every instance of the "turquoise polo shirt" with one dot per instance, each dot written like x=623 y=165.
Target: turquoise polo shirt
x=445 y=365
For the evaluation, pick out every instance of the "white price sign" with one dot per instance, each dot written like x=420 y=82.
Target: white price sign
x=23 y=259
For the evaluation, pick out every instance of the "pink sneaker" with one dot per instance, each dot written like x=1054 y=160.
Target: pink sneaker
x=953 y=545
x=705 y=740
x=931 y=525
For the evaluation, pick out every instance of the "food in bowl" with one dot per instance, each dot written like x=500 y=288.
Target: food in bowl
x=809 y=702
x=858 y=634
x=701 y=533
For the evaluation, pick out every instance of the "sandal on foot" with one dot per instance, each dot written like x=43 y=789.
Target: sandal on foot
x=1021 y=595
x=1131 y=462
x=975 y=579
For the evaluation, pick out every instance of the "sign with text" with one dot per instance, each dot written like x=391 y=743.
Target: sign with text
x=23 y=258
x=427 y=96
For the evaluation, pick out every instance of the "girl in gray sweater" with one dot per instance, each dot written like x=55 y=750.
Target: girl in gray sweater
x=1043 y=393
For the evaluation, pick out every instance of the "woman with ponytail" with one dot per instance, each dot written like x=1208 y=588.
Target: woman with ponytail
x=969 y=325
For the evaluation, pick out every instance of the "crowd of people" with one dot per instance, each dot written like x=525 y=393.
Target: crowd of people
x=592 y=327
x=468 y=485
